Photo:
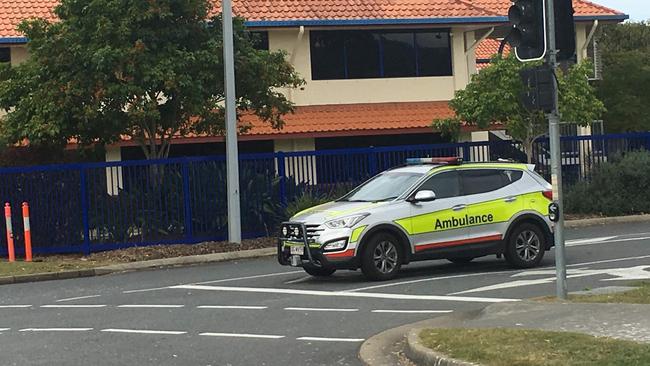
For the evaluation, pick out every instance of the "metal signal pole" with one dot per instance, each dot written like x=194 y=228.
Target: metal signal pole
x=232 y=157
x=556 y=159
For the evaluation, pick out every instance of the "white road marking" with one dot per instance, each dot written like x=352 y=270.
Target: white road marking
x=145 y=306
x=248 y=277
x=413 y=311
x=4 y=329
x=143 y=331
x=322 y=309
x=426 y=280
x=322 y=339
x=78 y=298
x=298 y=280
x=72 y=306
x=576 y=242
x=14 y=306
x=241 y=307
x=145 y=290
x=214 y=281
x=342 y=294
x=627 y=274
x=606 y=261
x=580 y=243
x=55 y=330
x=242 y=335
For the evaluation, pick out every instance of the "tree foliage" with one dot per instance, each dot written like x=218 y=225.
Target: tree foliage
x=493 y=96
x=143 y=70
x=626 y=76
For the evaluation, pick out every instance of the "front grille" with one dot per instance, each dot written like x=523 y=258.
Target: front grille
x=293 y=232
x=312 y=232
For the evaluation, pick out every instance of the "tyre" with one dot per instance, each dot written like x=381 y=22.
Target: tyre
x=526 y=246
x=319 y=271
x=461 y=260
x=382 y=257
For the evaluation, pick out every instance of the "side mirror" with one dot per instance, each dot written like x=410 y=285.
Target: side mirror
x=423 y=196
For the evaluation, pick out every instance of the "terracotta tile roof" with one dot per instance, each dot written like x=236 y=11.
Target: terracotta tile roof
x=274 y=12
x=582 y=7
x=355 y=117
x=488 y=48
x=12 y=12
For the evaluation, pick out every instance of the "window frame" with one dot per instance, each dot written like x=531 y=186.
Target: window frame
x=462 y=182
x=380 y=52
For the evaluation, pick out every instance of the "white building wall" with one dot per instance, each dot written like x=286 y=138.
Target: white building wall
x=320 y=92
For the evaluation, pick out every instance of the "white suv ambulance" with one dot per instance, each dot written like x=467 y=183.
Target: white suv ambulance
x=429 y=209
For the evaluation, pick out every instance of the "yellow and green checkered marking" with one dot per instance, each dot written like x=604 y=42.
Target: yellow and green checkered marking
x=489 y=212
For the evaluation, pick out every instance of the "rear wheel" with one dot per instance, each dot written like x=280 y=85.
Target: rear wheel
x=319 y=271
x=382 y=258
x=526 y=246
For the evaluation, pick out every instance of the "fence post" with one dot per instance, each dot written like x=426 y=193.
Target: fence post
x=372 y=162
x=280 y=157
x=185 y=170
x=84 y=211
x=466 y=152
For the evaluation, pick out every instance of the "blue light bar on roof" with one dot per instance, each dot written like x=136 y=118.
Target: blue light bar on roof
x=448 y=161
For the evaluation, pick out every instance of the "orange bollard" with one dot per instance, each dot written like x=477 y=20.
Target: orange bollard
x=28 y=234
x=10 y=233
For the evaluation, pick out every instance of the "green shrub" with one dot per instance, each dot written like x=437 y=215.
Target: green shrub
x=618 y=187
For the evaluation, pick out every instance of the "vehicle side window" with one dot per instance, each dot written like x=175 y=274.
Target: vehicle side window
x=444 y=185
x=487 y=180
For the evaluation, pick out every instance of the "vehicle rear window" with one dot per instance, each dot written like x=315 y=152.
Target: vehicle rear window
x=444 y=185
x=487 y=180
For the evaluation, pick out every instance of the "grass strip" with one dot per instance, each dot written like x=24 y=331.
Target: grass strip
x=519 y=347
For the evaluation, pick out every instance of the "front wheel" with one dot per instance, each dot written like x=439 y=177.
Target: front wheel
x=319 y=271
x=526 y=246
x=382 y=258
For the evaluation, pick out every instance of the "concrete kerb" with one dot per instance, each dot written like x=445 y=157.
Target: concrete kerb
x=422 y=355
x=138 y=266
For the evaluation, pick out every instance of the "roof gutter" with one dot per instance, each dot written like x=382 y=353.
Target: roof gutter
x=13 y=40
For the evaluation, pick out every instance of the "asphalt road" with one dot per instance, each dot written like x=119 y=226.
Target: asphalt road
x=256 y=312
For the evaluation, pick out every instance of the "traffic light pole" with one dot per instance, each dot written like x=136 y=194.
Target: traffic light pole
x=556 y=159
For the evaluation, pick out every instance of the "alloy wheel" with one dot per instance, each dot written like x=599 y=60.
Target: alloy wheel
x=528 y=245
x=385 y=257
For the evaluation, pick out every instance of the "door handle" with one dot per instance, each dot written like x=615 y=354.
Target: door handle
x=510 y=199
x=459 y=207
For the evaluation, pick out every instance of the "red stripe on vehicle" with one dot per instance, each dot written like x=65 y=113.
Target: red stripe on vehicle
x=454 y=243
x=347 y=253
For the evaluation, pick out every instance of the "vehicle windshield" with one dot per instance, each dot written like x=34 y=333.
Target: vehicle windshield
x=384 y=187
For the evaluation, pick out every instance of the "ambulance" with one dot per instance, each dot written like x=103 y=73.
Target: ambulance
x=431 y=208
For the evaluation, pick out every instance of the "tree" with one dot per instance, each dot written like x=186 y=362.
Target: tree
x=493 y=96
x=625 y=84
x=142 y=70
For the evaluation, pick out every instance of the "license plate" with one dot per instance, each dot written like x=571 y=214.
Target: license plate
x=297 y=250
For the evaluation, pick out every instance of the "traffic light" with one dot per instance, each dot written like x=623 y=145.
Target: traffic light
x=565 y=30
x=538 y=89
x=528 y=35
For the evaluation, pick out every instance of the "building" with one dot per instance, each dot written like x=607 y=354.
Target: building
x=377 y=72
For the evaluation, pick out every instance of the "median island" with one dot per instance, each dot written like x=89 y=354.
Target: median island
x=537 y=347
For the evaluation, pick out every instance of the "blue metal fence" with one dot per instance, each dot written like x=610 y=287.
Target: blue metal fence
x=100 y=206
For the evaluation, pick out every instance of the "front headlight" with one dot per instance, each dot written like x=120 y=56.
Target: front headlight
x=346 y=222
